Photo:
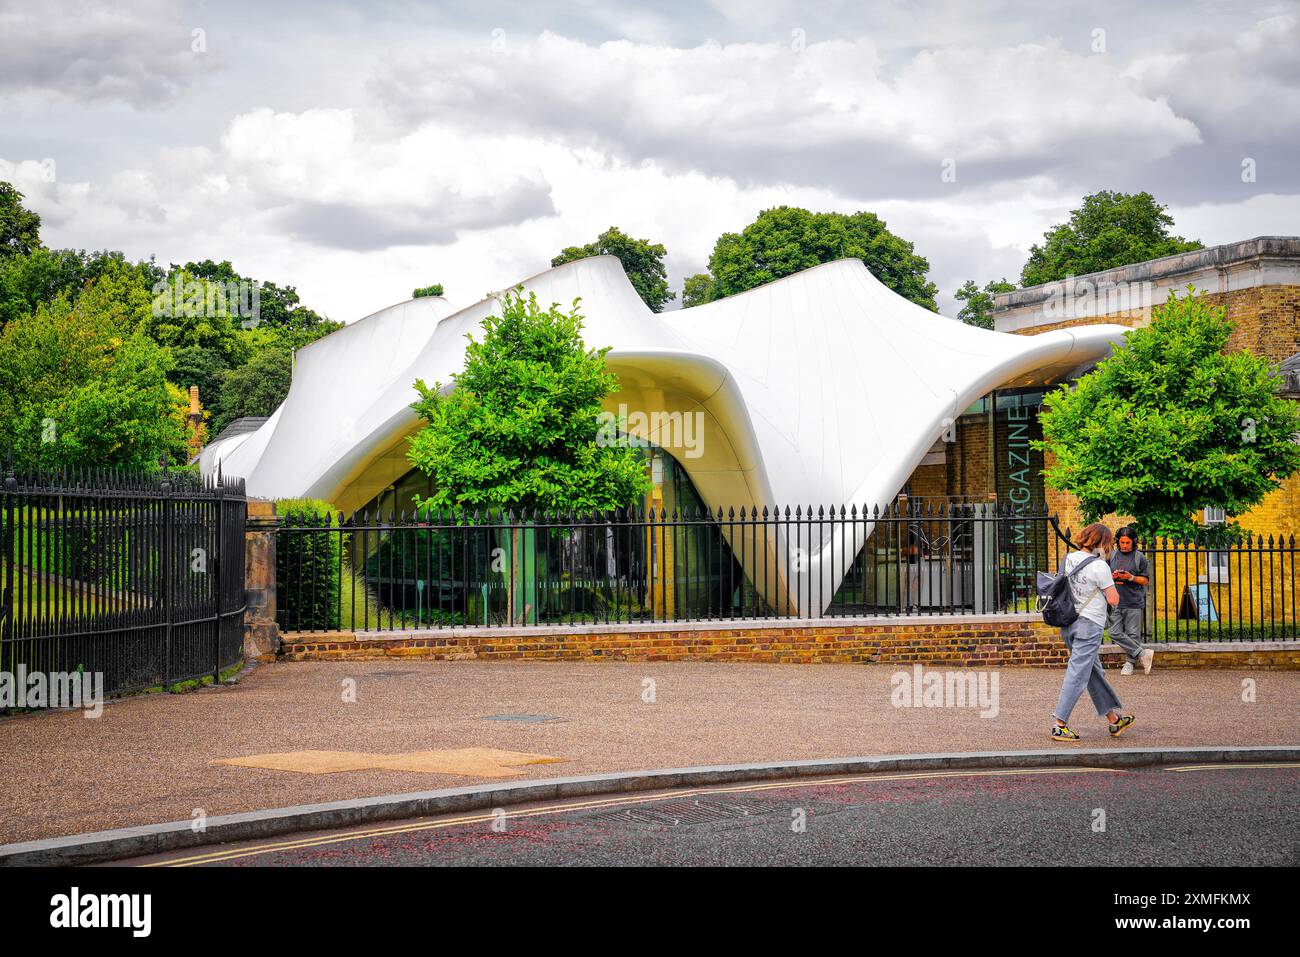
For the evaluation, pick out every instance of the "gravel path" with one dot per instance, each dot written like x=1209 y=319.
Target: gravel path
x=148 y=759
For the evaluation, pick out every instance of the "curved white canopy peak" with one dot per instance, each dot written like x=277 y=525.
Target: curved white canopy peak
x=821 y=388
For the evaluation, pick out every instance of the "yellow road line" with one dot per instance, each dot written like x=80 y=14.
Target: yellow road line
x=1229 y=767
x=236 y=853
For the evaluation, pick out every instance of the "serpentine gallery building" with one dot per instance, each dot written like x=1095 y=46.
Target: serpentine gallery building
x=822 y=388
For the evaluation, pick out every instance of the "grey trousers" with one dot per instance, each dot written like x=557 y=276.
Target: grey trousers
x=1125 y=630
x=1084 y=670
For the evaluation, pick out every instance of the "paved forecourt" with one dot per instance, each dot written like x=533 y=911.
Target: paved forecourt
x=313 y=732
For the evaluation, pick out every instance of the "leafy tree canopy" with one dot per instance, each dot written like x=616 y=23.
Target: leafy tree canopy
x=520 y=428
x=113 y=313
x=20 y=228
x=1169 y=425
x=255 y=388
x=82 y=385
x=642 y=260
x=424 y=291
x=279 y=306
x=194 y=323
x=1109 y=229
x=205 y=368
x=978 y=308
x=696 y=290
x=42 y=274
x=787 y=240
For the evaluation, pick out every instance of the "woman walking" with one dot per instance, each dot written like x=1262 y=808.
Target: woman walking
x=1132 y=574
x=1093 y=589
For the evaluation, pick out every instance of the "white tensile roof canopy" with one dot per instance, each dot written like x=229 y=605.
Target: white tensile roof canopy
x=822 y=388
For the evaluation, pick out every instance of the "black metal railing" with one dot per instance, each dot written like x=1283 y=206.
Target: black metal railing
x=1216 y=587
x=1212 y=588
x=473 y=569
x=137 y=577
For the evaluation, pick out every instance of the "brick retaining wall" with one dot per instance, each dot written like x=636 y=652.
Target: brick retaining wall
x=972 y=641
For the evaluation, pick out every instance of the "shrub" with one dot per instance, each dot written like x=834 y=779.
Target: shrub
x=308 y=566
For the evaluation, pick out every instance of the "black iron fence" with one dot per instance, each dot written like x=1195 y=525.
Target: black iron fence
x=137 y=577
x=453 y=569
x=474 y=569
x=1212 y=587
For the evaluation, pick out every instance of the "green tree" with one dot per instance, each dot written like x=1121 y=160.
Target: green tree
x=697 y=290
x=642 y=260
x=20 y=228
x=787 y=240
x=1170 y=424
x=255 y=388
x=205 y=368
x=978 y=308
x=211 y=342
x=424 y=291
x=279 y=306
x=82 y=385
x=1109 y=229
x=194 y=322
x=520 y=428
x=39 y=276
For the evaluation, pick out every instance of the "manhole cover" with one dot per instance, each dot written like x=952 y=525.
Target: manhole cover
x=686 y=812
x=524 y=718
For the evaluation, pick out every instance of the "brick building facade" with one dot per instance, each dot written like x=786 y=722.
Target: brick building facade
x=1257 y=281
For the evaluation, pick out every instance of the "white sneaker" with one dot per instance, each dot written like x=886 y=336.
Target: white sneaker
x=1127 y=669
x=1147 y=657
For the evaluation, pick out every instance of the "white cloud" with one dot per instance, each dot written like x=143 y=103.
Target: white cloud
x=1244 y=84
x=331 y=184
x=141 y=53
x=831 y=114
x=472 y=166
x=1258 y=214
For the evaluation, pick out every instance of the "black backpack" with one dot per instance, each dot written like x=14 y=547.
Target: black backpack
x=1054 y=598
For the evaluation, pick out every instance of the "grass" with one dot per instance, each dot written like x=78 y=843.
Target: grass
x=193 y=684
x=353 y=589
x=1169 y=629
x=179 y=687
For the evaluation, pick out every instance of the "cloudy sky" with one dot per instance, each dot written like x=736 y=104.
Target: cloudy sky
x=359 y=150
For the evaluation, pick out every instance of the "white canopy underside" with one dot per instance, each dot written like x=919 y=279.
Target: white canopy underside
x=823 y=388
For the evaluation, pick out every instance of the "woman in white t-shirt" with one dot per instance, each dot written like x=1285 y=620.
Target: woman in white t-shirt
x=1093 y=591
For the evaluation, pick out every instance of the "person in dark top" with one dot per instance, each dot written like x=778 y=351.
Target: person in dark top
x=1132 y=573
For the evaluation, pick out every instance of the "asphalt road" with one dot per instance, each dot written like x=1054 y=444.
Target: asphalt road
x=1222 y=815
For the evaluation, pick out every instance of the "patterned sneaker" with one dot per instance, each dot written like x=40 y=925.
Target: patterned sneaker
x=1127 y=669
x=1062 y=733
x=1118 y=727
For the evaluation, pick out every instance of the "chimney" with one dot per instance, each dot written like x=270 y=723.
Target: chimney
x=194 y=422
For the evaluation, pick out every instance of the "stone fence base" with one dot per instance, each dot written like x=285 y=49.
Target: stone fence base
x=974 y=641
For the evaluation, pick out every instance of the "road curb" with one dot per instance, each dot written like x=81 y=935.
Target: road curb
x=112 y=845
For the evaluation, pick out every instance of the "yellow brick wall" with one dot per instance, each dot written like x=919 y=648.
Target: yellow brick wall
x=1266 y=320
